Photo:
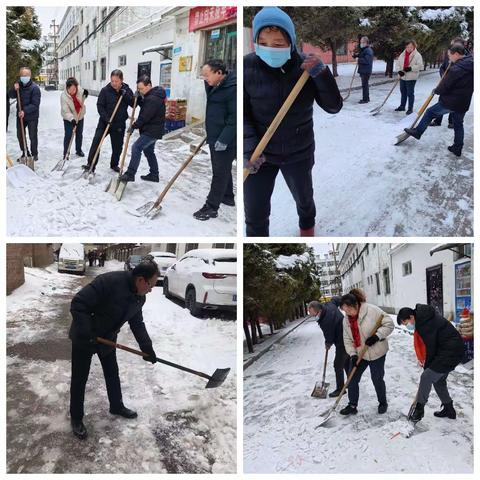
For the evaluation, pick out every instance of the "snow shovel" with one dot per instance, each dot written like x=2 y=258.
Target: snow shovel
x=26 y=158
x=330 y=412
x=276 y=122
x=88 y=172
x=376 y=110
x=116 y=187
x=152 y=209
x=351 y=82
x=403 y=136
x=321 y=389
x=214 y=380
x=9 y=161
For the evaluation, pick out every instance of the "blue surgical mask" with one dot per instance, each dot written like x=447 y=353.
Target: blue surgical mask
x=363 y=45
x=274 y=57
x=24 y=80
x=410 y=327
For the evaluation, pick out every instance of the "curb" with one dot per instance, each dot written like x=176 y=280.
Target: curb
x=262 y=352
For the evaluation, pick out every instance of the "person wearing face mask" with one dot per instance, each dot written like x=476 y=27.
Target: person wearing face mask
x=107 y=99
x=30 y=97
x=151 y=125
x=270 y=74
x=365 y=65
x=409 y=64
x=358 y=325
x=72 y=102
x=439 y=348
x=100 y=309
x=330 y=320
x=221 y=127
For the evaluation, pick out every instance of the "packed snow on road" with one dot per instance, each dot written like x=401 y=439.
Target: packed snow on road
x=280 y=416
x=181 y=426
x=364 y=185
x=53 y=205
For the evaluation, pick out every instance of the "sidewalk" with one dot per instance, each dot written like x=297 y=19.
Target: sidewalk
x=268 y=341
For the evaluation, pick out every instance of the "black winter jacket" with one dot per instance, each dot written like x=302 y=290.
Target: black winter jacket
x=151 y=120
x=365 y=61
x=102 y=307
x=30 y=96
x=443 y=343
x=221 y=114
x=106 y=105
x=331 y=322
x=265 y=91
x=456 y=89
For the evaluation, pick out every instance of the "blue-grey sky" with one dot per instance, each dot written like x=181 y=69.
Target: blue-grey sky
x=47 y=14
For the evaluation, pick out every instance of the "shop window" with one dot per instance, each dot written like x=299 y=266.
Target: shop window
x=103 y=68
x=407 y=268
x=144 y=68
x=386 y=280
x=221 y=43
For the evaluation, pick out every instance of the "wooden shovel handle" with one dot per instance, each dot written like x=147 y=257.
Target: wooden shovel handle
x=127 y=139
x=325 y=365
x=277 y=120
x=24 y=140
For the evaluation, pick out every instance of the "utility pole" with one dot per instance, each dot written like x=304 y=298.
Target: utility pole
x=53 y=27
x=338 y=288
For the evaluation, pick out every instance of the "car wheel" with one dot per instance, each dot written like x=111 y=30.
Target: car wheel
x=165 y=288
x=191 y=302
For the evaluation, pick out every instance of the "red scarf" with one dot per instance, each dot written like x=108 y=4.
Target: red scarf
x=420 y=348
x=357 y=340
x=406 y=61
x=76 y=103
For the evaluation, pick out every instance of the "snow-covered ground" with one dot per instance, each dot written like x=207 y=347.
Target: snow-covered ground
x=65 y=205
x=366 y=186
x=280 y=416
x=181 y=426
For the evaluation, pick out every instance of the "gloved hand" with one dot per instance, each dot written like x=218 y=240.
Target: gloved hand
x=73 y=121
x=255 y=166
x=313 y=64
x=152 y=357
x=220 y=147
x=401 y=73
x=85 y=92
x=434 y=91
x=328 y=345
x=136 y=94
x=353 y=361
x=132 y=128
x=371 y=340
x=123 y=91
x=355 y=55
x=407 y=69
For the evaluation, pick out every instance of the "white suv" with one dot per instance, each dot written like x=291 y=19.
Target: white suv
x=163 y=260
x=206 y=279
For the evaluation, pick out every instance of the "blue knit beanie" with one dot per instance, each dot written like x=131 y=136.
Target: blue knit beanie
x=274 y=17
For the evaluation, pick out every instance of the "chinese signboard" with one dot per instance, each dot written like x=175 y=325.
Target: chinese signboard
x=202 y=17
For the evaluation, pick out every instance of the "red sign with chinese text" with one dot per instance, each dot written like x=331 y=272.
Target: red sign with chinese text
x=201 y=17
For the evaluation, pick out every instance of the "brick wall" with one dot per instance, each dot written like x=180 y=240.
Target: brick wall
x=15 y=274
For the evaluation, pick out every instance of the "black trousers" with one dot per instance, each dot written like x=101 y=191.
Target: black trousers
x=365 y=87
x=32 y=127
x=116 y=139
x=258 y=189
x=341 y=364
x=81 y=360
x=221 y=187
x=68 y=127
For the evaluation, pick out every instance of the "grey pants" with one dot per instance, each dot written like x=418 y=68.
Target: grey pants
x=439 y=382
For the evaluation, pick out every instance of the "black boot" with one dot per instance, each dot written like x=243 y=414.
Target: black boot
x=455 y=150
x=413 y=132
x=335 y=393
x=80 y=154
x=151 y=177
x=205 y=213
x=124 y=412
x=409 y=111
x=364 y=101
x=230 y=202
x=349 y=410
x=78 y=429
x=400 y=109
x=418 y=413
x=382 y=408
x=127 y=177
x=115 y=168
x=447 y=411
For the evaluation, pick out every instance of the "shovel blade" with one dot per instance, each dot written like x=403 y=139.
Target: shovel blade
x=218 y=377
x=112 y=186
x=401 y=138
x=31 y=163
x=59 y=166
x=320 y=390
x=325 y=417
x=121 y=186
x=153 y=212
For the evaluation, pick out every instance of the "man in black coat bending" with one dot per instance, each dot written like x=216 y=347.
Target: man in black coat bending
x=330 y=320
x=99 y=310
x=444 y=351
x=107 y=100
x=221 y=127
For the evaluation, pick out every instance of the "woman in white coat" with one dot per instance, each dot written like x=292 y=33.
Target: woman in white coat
x=358 y=331
x=409 y=64
x=72 y=102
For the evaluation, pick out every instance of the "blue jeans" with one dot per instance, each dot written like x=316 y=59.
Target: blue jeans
x=377 y=372
x=407 y=90
x=144 y=144
x=440 y=109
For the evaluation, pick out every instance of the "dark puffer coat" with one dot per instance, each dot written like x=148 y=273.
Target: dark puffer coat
x=331 y=322
x=30 y=96
x=107 y=99
x=151 y=120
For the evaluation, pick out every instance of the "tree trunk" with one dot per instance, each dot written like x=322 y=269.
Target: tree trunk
x=389 y=67
x=253 y=331
x=247 y=336
x=271 y=326
x=333 y=47
x=260 y=333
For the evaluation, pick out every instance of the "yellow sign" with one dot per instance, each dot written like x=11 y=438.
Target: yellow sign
x=185 y=63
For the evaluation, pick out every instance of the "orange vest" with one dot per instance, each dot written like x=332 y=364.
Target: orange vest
x=420 y=349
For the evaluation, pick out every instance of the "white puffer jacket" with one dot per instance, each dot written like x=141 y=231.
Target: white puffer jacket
x=367 y=318
x=68 y=108
x=416 y=62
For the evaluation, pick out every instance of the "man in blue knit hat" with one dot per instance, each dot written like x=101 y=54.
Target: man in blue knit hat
x=269 y=76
